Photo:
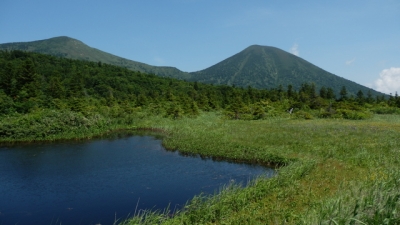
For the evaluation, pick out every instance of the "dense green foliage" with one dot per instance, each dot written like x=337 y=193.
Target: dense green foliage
x=32 y=81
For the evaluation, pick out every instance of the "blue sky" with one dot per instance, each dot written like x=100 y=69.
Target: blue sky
x=357 y=39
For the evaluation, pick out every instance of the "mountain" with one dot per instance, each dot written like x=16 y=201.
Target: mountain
x=268 y=67
x=257 y=66
x=74 y=49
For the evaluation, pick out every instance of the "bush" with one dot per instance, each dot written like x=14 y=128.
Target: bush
x=303 y=115
x=327 y=113
x=6 y=104
x=386 y=110
x=44 y=123
x=354 y=115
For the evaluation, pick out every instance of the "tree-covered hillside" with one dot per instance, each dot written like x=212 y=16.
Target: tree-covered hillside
x=31 y=81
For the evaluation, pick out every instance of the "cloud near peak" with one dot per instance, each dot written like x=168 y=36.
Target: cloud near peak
x=388 y=81
x=159 y=61
x=295 y=50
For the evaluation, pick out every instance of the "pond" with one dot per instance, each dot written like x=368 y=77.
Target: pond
x=101 y=181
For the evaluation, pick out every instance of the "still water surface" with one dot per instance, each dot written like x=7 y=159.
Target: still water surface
x=98 y=181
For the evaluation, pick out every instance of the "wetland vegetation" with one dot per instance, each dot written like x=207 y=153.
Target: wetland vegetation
x=337 y=171
x=338 y=155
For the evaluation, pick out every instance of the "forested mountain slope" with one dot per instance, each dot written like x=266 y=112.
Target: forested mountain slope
x=268 y=67
x=74 y=49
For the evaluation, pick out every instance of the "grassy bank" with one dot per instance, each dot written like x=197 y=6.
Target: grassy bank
x=336 y=171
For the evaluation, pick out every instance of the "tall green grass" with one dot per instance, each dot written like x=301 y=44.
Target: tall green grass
x=376 y=201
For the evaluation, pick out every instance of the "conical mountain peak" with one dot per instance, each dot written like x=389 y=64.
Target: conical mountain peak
x=268 y=67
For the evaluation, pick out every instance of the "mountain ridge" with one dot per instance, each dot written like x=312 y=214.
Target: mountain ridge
x=68 y=47
x=258 y=66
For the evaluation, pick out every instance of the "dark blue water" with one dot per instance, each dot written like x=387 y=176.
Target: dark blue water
x=100 y=181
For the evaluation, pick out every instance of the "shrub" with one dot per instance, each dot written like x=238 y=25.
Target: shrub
x=303 y=115
x=354 y=115
x=386 y=110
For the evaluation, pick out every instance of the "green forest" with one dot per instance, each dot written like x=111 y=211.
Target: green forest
x=32 y=81
x=51 y=87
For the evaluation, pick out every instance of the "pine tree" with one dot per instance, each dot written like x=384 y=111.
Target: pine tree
x=343 y=94
x=26 y=74
x=175 y=111
x=360 y=97
x=369 y=99
x=323 y=92
x=290 y=92
x=55 y=88
x=236 y=107
x=6 y=103
x=330 y=94
x=8 y=80
x=194 y=109
x=76 y=85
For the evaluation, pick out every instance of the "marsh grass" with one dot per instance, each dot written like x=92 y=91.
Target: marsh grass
x=373 y=202
x=351 y=180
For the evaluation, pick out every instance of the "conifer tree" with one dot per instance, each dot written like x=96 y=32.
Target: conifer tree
x=290 y=93
x=323 y=92
x=56 y=89
x=360 y=97
x=76 y=85
x=343 y=94
x=369 y=99
x=8 y=80
x=330 y=94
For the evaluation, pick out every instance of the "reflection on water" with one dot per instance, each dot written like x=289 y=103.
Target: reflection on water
x=94 y=182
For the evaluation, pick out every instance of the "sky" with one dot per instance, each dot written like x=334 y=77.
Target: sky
x=355 y=39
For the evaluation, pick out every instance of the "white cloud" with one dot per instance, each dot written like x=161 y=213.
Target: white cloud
x=388 y=81
x=295 y=50
x=349 y=62
x=159 y=61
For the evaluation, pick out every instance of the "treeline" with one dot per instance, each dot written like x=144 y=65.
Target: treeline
x=33 y=81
